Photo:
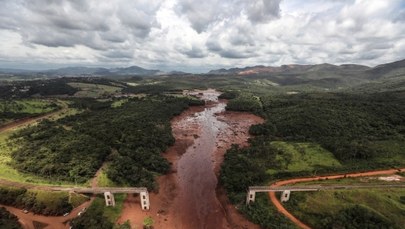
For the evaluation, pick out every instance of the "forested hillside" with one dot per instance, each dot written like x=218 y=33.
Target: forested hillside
x=352 y=127
x=315 y=133
x=131 y=137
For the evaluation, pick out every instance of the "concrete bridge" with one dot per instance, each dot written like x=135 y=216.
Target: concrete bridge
x=109 y=193
x=286 y=190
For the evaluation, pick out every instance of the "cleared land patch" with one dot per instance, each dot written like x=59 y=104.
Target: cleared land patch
x=295 y=157
x=11 y=110
x=322 y=209
x=94 y=90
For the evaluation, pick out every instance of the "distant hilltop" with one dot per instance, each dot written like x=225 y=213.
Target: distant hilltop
x=314 y=69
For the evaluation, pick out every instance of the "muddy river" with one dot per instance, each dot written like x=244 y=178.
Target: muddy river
x=189 y=197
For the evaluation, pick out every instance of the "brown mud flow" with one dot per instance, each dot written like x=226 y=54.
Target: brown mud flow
x=198 y=206
x=188 y=197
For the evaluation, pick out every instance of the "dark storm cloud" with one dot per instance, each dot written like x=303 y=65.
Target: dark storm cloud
x=66 y=23
x=202 y=14
x=195 y=52
x=201 y=33
x=234 y=54
x=213 y=46
x=264 y=10
x=139 y=18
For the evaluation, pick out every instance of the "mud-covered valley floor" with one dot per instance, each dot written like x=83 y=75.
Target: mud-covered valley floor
x=189 y=196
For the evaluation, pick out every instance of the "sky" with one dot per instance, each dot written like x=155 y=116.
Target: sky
x=196 y=36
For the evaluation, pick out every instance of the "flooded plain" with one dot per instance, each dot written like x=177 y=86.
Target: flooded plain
x=189 y=196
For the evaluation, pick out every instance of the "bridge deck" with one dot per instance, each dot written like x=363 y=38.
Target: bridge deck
x=100 y=190
x=321 y=187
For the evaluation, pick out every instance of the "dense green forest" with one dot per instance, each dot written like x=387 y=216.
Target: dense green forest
x=93 y=218
x=51 y=87
x=343 y=132
x=131 y=137
x=26 y=89
x=352 y=127
x=8 y=221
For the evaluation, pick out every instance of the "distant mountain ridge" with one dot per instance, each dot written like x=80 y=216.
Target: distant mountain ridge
x=78 y=71
x=327 y=76
x=260 y=69
x=293 y=74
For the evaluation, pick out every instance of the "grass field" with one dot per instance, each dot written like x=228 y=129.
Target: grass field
x=50 y=202
x=49 y=199
x=112 y=213
x=7 y=171
x=11 y=110
x=30 y=106
x=295 y=157
x=119 y=103
x=313 y=207
x=76 y=199
x=104 y=181
x=94 y=90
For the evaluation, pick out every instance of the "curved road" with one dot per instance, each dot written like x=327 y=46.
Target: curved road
x=52 y=222
x=297 y=222
x=26 y=220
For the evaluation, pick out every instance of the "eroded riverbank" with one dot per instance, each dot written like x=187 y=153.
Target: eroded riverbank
x=188 y=197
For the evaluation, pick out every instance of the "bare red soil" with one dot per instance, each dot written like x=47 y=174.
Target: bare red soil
x=52 y=222
x=29 y=120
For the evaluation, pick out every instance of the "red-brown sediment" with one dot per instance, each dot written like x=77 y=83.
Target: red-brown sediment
x=189 y=196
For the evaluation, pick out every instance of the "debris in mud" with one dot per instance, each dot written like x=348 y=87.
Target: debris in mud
x=196 y=204
x=161 y=211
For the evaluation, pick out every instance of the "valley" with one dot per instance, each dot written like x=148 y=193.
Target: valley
x=221 y=114
x=197 y=142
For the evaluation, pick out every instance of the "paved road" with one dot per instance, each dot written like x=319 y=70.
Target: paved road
x=300 y=224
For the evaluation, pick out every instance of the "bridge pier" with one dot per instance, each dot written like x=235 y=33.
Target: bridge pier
x=144 y=196
x=250 y=197
x=285 y=196
x=109 y=191
x=109 y=199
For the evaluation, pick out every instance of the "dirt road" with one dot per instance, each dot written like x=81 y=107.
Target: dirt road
x=300 y=224
x=30 y=120
x=52 y=222
x=26 y=220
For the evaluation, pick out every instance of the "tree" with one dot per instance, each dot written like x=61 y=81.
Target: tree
x=148 y=223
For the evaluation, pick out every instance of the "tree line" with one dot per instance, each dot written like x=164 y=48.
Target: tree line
x=131 y=137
